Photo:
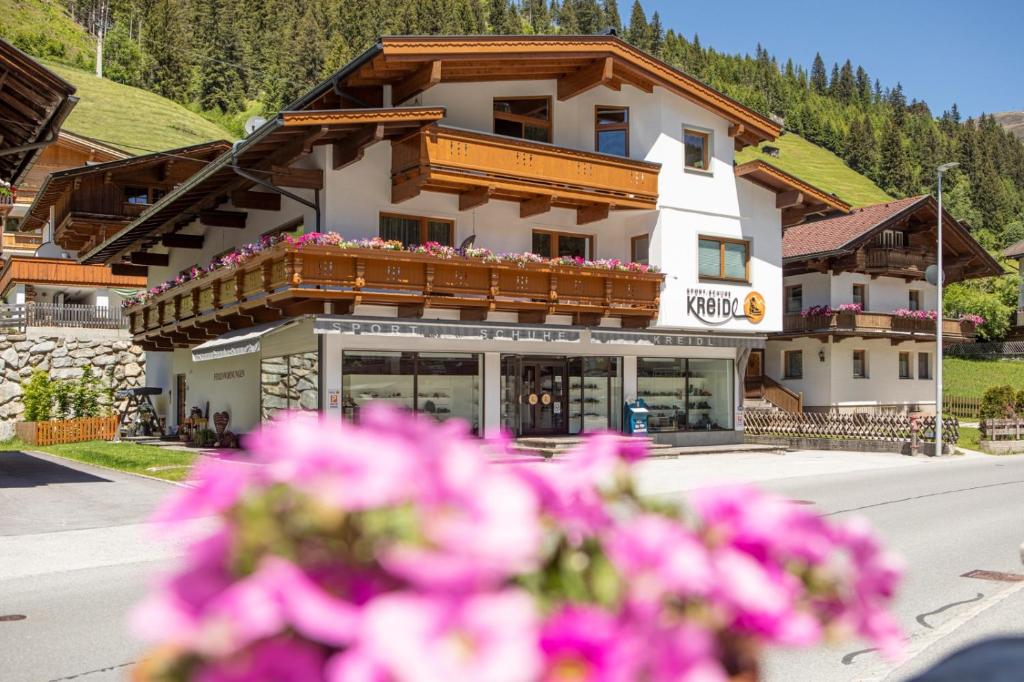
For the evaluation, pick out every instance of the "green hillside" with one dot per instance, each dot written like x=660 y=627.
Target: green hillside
x=134 y=120
x=42 y=29
x=819 y=167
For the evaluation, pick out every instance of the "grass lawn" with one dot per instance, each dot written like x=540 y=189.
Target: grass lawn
x=970 y=378
x=123 y=456
x=43 y=28
x=134 y=120
x=969 y=438
x=820 y=167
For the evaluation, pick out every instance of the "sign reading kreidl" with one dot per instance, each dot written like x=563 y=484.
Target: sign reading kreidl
x=716 y=307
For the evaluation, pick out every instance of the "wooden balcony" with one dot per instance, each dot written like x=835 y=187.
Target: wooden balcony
x=21 y=241
x=6 y=204
x=46 y=271
x=868 y=325
x=907 y=262
x=287 y=281
x=480 y=167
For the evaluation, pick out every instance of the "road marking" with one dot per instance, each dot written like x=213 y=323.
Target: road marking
x=921 y=642
x=921 y=497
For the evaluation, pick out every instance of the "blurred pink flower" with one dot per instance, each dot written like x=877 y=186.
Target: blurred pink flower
x=660 y=556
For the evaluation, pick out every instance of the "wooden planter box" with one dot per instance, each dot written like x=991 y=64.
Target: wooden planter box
x=67 y=431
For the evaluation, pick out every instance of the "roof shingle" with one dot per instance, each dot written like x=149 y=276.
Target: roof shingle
x=832 y=234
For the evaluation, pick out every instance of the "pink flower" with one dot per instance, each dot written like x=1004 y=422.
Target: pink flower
x=587 y=643
x=280 y=660
x=660 y=557
x=424 y=638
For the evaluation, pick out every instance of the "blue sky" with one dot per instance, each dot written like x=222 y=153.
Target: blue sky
x=942 y=51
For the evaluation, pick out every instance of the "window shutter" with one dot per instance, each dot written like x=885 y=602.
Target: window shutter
x=735 y=260
x=708 y=258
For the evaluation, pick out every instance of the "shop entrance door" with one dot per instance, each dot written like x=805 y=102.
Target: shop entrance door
x=543 y=397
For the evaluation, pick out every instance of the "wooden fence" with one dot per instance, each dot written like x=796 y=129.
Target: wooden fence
x=67 y=431
x=961 y=406
x=1002 y=429
x=876 y=427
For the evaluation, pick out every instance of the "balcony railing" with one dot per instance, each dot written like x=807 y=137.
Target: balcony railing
x=898 y=262
x=876 y=324
x=21 y=241
x=53 y=271
x=287 y=280
x=452 y=159
x=19 y=316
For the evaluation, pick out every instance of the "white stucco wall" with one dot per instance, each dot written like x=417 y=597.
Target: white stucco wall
x=884 y=294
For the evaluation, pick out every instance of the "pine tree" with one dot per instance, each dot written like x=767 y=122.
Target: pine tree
x=500 y=18
x=894 y=170
x=588 y=14
x=862 y=149
x=168 y=66
x=898 y=104
x=657 y=35
x=610 y=16
x=833 y=83
x=863 y=87
x=568 y=22
x=819 y=82
x=537 y=16
x=219 y=86
x=638 y=33
x=846 y=88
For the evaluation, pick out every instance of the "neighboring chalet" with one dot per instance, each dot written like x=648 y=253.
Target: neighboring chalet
x=1016 y=252
x=855 y=334
x=523 y=232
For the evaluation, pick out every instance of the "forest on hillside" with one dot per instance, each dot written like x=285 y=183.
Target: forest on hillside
x=234 y=58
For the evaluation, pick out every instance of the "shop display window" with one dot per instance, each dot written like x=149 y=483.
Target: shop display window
x=595 y=394
x=686 y=395
x=289 y=382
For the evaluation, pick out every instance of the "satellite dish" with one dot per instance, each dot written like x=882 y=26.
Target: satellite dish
x=253 y=123
x=931 y=274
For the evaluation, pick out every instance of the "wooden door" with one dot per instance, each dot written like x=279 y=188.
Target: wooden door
x=180 y=402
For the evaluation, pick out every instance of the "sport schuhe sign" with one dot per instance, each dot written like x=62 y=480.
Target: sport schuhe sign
x=716 y=307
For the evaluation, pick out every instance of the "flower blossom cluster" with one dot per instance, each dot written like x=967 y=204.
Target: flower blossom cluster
x=976 y=320
x=396 y=550
x=908 y=314
x=817 y=311
x=237 y=257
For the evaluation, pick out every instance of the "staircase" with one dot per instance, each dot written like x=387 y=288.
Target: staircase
x=765 y=393
x=551 y=447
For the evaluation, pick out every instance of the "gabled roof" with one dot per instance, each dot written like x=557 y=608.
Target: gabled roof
x=844 y=234
x=33 y=104
x=60 y=182
x=412 y=64
x=1015 y=251
x=796 y=198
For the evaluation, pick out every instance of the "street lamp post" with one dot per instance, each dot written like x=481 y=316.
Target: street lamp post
x=939 y=317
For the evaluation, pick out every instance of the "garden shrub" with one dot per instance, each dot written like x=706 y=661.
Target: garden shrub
x=37 y=396
x=45 y=398
x=998 y=402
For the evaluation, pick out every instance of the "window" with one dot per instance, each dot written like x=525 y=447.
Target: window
x=719 y=258
x=696 y=149
x=860 y=295
x=794 y=298
x=136 y=195
x=924 y=366
x=860 y=364
x=640 y=249
x=416 y=230
x=905 y=366
x=557 y=244
x=611 y=130
x=914 y=299
x=890 y=239
x=528 y=118
x=686 y=395
x=793 y=364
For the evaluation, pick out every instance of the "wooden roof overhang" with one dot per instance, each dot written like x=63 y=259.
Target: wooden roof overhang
x=33 y=104
x=797 y=199
x=166 y=168
x=412 y=64
x=268 y=151
x=963 y=257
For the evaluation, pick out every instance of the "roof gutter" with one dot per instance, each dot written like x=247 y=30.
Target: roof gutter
x=243 y=173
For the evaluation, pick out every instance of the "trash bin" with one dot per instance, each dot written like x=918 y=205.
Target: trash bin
x=636 y=416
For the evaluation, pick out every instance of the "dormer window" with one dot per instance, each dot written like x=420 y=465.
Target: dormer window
x=528 y=118
x=893 y=239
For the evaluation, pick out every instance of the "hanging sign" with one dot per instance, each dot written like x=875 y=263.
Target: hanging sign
x=716 y=307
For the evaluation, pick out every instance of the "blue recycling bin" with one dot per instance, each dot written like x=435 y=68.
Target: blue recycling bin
x=636 y=417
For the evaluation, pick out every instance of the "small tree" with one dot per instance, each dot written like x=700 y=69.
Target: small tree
x=998 y=402
x=86 y=394
x=63 y=397
x=37 y=396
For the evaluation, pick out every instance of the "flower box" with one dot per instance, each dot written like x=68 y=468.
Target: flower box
x=67 y=430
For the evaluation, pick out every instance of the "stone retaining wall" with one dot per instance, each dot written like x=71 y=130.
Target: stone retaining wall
x=850 y=444
x=63 y=352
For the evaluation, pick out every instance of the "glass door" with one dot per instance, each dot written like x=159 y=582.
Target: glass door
x=544 y=397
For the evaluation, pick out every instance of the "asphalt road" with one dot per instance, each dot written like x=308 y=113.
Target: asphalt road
x=75 y=554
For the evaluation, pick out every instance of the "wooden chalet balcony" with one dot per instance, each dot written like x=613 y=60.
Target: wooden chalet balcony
x=21 y=241
x=6 y=204
x=47 y=271
x=287 y=281
x=907 y=262
x=478 y=167
x=869 y=324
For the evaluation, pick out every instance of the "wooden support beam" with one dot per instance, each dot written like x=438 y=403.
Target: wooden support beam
x=128 y=270
x=532 y=316
x=414 y=310
x=182 y=241
x=474 y=197
x=789 y=199
x=597 y=73
x=635 y=322
x=473 y=314
x=425 y=77
x=234 y=219
x=737 y=130
x=301 y=178
x=591 y=214
x=150 y=258
x=351 y=149
x=257 y=201
x=406 y=189
x=586 y=319
x=535 y=206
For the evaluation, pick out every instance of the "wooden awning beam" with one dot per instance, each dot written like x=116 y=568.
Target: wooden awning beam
x=591 y=214
x=422 y=79
x=534 y=206
x=233 y=219
x=600 y=72
x=182 y=241
x=351 y=149
x=258 y=201
x=789 y=199
x=474 y=197
x=150 y=258
x=300 y=178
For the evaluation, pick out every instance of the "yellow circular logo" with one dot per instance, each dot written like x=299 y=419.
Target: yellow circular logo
x=753 y=307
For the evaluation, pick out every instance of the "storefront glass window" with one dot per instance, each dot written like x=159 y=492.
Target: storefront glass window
x=444 y=385
x=289 y=382
x=595 y=394
x=686 y=395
